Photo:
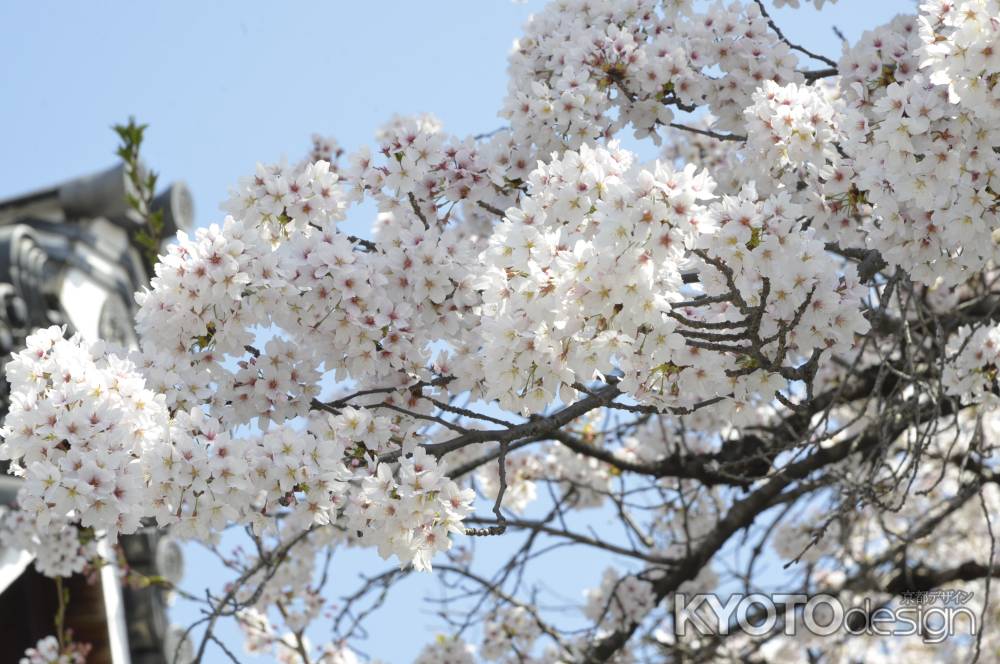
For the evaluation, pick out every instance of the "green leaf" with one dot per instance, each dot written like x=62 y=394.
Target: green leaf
x=131 y=135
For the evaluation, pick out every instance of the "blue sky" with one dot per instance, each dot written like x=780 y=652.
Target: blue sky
x=226 y=83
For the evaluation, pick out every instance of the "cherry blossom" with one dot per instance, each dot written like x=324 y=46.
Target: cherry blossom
x=766 y=329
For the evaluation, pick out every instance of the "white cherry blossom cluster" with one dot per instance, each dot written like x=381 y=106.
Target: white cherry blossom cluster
x=584 y=70
x=286 y=651
x=98 y=448
x=806 y=306
x=581 y=276
x=961 y=48
x=408 y=510
x=206 y=478
x=373 y=315
x=331 y=298
x=77 y=431
x=935 y=484
x=325 y=148
x=446 y=650
x=560 y=90
x=884 y=55
x=736 y=38
x=587 y=478
x=521 y=472
x=261 y=639
x=583 y=271
x=928 y=169
x=59 y=549
x=338 y=653
x=807 y=292
x=277 y=384
x=619 y=601
x=418 y=167
x=973 y=363
x=842 y=210
x=922 y=163
x=723 y=159
x=279 y=200
x=370 y=310
x=186 y=381
x=207 y=293
x=792 y=129
x=259 y=636
x=510 y=631
x=49 y=651
x=412 y=514
x=290 y=591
